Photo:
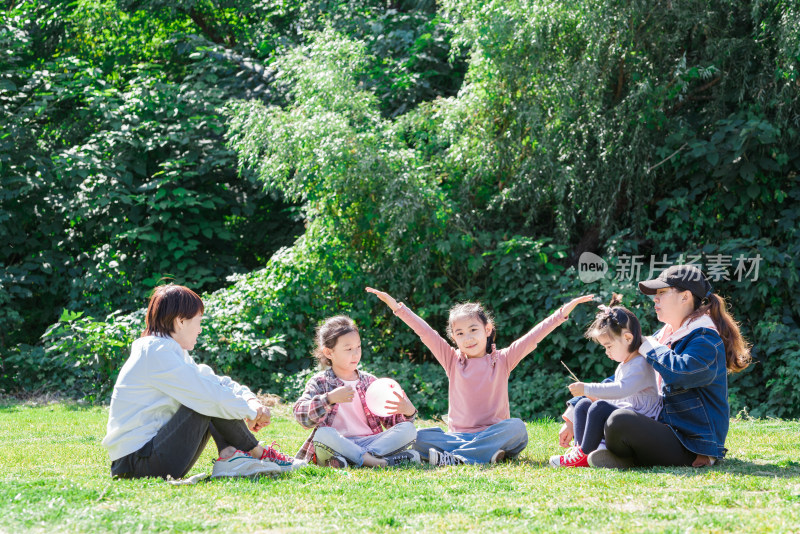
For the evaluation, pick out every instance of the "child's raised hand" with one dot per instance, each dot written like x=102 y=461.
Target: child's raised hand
x=385 y=297
x=341 y=394
x=569 y=306
x=400 y=406
x=576 y=388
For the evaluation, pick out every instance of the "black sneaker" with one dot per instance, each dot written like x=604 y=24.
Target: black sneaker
x=403 y=457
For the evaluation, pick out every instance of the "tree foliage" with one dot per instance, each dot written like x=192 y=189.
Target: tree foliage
x=611 y=127
x=115 y=173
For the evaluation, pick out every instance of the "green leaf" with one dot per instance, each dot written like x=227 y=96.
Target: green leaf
x=67 y=316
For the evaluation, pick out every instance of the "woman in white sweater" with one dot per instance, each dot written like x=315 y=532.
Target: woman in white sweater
x=165 y=406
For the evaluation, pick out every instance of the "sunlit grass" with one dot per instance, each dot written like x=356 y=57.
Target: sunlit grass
x=54 y=477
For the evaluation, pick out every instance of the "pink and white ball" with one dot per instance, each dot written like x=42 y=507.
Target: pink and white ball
x=381 y=391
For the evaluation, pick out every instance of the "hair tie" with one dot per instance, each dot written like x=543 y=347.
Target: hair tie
x=609 y=313
x=710 y=291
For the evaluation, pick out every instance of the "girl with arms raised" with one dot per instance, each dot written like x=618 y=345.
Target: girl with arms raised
x=480 y=427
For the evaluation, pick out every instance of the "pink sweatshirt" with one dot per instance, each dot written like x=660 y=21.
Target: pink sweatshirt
x=478 y=394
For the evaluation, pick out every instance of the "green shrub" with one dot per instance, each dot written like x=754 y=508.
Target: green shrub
x=611 y=128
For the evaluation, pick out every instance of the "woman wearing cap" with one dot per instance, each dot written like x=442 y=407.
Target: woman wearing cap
x=693 y=353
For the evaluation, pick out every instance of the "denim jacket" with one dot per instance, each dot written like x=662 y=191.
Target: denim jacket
x=695 y=390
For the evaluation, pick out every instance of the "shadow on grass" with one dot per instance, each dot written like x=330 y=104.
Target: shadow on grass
x=787 y=469
x=736 y=466
x=533 y=463
x=10 y=404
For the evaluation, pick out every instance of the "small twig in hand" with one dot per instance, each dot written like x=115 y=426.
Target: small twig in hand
x=575 y=378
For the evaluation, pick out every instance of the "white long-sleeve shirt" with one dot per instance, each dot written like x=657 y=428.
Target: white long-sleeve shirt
x=634 y=387
x=159 y=377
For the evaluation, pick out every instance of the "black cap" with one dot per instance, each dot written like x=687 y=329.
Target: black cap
x=685 y=277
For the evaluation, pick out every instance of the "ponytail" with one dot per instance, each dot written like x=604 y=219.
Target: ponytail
x=490 y=340
x=613 y=320
x=737 y=349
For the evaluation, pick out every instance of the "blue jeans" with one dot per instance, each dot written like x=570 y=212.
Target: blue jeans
x=590 y=421
x=386 y=443
x=478 y=447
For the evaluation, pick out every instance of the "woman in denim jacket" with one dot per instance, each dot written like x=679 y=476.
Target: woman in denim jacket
x=693 y=353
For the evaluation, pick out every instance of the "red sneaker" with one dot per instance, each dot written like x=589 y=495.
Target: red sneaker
x=573 y=458
x=272 y=454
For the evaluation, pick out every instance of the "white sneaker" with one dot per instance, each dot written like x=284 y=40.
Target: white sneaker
x=498 y=456
x=443 y=458
x=242 y=464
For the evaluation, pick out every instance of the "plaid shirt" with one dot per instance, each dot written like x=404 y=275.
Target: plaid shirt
x=313 y=410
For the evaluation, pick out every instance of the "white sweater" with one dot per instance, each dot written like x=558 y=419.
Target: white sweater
x=159 y=377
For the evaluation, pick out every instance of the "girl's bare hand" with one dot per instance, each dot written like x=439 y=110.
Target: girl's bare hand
x=341 y=394
x=576 y=388
x=569 y=306
x=565 y=435
x=400 y=406
x=385 y=297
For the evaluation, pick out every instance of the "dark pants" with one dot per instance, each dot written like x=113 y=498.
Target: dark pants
x=589 y=423
x=646 y=441
x=178 y=444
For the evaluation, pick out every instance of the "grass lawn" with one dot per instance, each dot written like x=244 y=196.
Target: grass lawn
x=55 y=478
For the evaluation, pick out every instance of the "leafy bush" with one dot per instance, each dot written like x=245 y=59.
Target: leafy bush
x=589 y=126
x=113 y=167
x=114 y=174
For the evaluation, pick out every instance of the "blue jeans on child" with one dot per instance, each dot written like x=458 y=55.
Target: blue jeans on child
x=589 y=423
x=475 y=447
x=386 y=443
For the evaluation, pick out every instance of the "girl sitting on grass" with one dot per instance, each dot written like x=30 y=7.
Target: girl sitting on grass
x=347 y=432
x=634 y=386
x=480 y=428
